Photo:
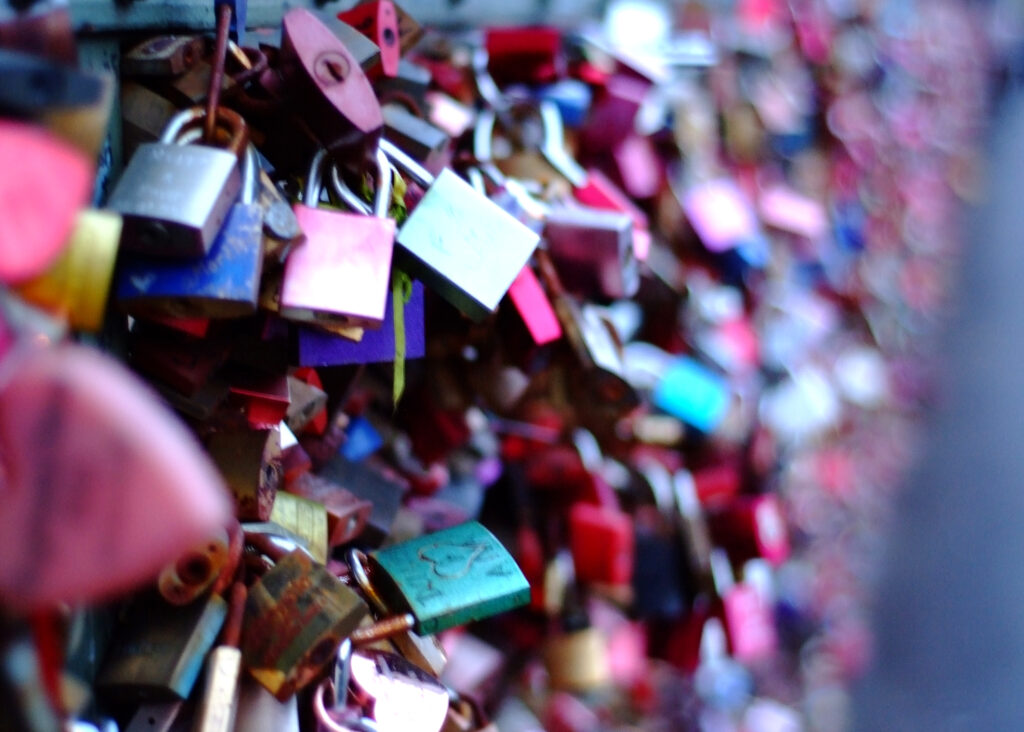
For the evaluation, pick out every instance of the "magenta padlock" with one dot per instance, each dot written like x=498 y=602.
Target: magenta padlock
x=613 y=116
x=340 y=274
x=639 y=167
x=593 y=251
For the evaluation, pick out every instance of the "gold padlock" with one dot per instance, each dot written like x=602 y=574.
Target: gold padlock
x=75 y=287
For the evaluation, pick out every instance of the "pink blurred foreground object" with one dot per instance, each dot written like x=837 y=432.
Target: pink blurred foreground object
x=38 y=215
x=101 y=486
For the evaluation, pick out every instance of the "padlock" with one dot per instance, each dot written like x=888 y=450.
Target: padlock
x=304 y=517
x=174 y=198
x=94 y=458
x=576 y=656
x=250 y=461
x=296 y=616
x=424 y=142
x=162 y=56
x=340 y=273
x=693 y=393
x=721 y=214
x=746 y=613
x=76 y=285
x=224 y=283
x=267 y=396
x=458 y=242
x=400 y=696
x=378 y=21
x=334 y=96
x=593 y=250
x=158 y=651
x=347 y=514
x=424 y=651
x=181 y=362
x=720 y=681
x=528 y=55
x=601 y=538
x=640 y=170
x=218 y=705
x=308 y=404
x=281 y=230
x=369 y=483
x=144 y=115
x=750 y=527
x=408 y=87
x=448 y=578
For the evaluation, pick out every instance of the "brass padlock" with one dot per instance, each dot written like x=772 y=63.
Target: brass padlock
x=250 y=461
x=296 y=616
x=174 y=198
x=77 y=284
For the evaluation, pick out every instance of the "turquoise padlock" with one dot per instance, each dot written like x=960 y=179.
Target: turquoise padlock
x=448 y=578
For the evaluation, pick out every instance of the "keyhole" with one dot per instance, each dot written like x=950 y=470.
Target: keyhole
x=331 y=68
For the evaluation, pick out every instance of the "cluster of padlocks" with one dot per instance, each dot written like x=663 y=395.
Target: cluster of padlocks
x=501 y=379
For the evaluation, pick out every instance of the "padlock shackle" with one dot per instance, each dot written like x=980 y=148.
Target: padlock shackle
x=552 y=145
x=404 y=162
x=382 y=195
x=229 y=118
x=314 y=179
x=327 y=722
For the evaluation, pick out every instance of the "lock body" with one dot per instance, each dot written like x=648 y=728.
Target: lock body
x=159 y=649
x=340 y=273
x=77 y=284
x=449 y=578
x=250 y=462
x=463 y=246
x=222 y=284
x=174 y=198
x=295 y=618
x=593 y=250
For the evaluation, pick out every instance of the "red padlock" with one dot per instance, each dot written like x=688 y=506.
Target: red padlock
x=378 y=21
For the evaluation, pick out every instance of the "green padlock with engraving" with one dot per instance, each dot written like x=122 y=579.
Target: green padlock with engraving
x=448 y=578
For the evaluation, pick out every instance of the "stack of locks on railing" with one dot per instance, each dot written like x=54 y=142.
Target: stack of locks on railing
x=656 y=317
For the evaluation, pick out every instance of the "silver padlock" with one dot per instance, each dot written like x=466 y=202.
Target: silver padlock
x=174 y=198
x=459 y=243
